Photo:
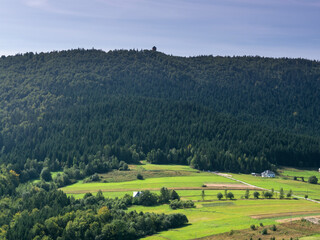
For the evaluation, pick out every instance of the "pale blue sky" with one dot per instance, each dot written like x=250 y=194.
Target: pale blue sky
x=277 y=28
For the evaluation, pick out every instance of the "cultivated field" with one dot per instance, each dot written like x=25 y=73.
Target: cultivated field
x=211 y=216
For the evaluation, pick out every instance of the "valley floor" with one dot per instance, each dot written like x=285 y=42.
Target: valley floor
x=211 y=216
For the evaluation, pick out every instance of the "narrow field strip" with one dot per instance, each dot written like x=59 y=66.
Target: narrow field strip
x=283 y=214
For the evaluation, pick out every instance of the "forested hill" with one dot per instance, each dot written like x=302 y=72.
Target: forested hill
x=225 y=113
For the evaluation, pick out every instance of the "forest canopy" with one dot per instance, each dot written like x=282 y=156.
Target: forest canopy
x=89 y=110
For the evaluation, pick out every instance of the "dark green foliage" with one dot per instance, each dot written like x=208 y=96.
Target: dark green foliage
x=219 y=196
x=253 y=227
x=256 y=195
x=164 y=195
x=175 y=204
x=264 y=231
x=36 y=213
x=289 y=194
x=139 y=176
x=230 y=195
x=313 y=180
x=90 y=110
x=174 y=195
x=247 y=194
x=268 y=194
x=281 y=196
x=45 y=175
x=146 y=198
x=274 y=228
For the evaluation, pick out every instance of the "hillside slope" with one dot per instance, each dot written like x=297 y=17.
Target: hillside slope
x=237 y=114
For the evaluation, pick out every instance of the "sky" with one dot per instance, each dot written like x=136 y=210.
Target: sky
x=270 y=28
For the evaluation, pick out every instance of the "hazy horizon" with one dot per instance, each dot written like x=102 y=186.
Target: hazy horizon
x=263 y=28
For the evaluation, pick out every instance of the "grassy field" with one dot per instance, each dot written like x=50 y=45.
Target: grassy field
x=293 y=172
x=219 y=217
x=210 y=216
x=191 y=181
x=314 y=237
x=299 y=188
x=293 y=230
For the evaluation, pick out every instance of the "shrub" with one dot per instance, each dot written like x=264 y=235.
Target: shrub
x=139 y=176
x=313 y=180
x=174 y=195
x=261 y=224
x=274 y=228
x=175 y=204
x=253 y=227
x=230 y=195
x=306 y=196
x=264 y=231
x=219 y=196
x=268 y=194
x=256 y=195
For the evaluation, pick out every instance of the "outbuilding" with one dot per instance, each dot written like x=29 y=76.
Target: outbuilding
x=268 y=173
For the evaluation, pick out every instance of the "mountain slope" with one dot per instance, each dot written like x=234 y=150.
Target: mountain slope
x=238 y=114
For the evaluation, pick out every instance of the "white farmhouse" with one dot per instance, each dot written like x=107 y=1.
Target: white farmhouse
x=268 y=173
x=136 y=194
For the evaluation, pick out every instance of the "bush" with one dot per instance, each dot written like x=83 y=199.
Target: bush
x=256 y=195
x=175 y=204
x=174 y=195
x=146 y=198
x=139 y=176
x=268 y=194
x=253 y=227
x=219 y=196
x=230 y=195
x=313 y=180
x=264 y=231
x=306 y=196
x=261 y=224
x=274 y=228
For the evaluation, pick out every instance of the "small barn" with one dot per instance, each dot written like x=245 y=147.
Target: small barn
x=136 y=194
x=268 y=174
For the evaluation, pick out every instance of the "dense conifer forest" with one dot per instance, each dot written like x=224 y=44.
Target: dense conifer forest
x=84 y=112
x=91 y=111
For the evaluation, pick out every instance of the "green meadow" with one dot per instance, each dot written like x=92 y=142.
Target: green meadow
x=150 y=183
x=293 y=172
x=299 y=188
x=209 y=219
x=210 y=216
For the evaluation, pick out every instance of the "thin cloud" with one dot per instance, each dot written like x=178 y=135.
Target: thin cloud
x=36 y=3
